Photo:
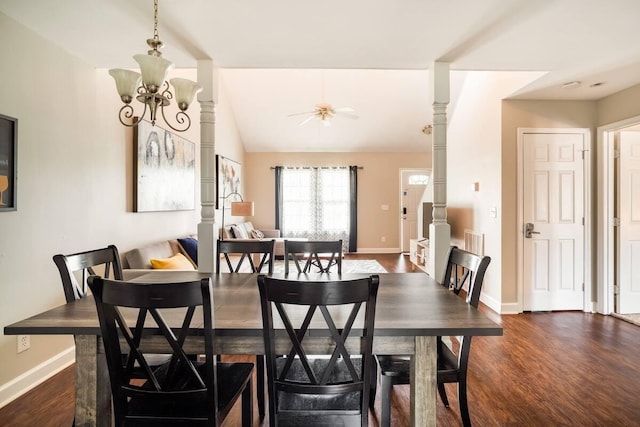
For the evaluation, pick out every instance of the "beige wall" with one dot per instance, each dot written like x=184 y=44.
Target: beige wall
x=74 y=184
x=378 y=184
x=530 y=114
x=619 y=106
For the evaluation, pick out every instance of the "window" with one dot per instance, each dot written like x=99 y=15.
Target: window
x=315 y=203
x=418 y=179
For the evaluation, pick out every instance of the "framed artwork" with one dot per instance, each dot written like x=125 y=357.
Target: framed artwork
x=228 y=178
x=164 y=170
x=8 y=163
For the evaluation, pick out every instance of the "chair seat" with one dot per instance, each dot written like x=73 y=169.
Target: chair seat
x=234 y=376
x=317 y=402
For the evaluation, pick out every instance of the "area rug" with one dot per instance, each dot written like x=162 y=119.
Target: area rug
x=348 y=266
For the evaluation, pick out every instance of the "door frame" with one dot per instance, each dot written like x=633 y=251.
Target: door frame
x=587 y=305
x=427 y=171
x=605 y=209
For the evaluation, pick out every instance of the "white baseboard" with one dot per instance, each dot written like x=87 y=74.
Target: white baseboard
x=490 y=302
x=36 y=376
x=379 y=251
x=511 y=308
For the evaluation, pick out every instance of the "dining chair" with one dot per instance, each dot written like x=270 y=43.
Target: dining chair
x=76 y=268
x=462 y=268
x=181 y=391
x=312 y=391
x=257 y=254
x=312 y=253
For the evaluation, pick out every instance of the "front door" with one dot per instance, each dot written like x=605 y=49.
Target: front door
x=629 y=230
x=553 y=218
x=413 y=187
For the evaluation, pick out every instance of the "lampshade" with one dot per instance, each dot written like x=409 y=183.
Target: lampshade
x=154 y=69
x=242 y=208
x=186 y=90
x=127 y=81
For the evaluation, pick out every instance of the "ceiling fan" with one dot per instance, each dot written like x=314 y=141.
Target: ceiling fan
x=325 y=112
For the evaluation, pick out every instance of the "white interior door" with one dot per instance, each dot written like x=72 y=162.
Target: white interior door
x=553 y=205
x=629 y=230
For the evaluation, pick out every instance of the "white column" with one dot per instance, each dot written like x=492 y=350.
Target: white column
x=207 y=229
x=439 y=230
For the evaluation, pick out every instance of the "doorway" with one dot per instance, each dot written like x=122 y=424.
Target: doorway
x=413 y=186
x=618 y=272
x=553 y=219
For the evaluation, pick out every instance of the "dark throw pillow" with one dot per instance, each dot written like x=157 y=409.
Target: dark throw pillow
x=190 y=248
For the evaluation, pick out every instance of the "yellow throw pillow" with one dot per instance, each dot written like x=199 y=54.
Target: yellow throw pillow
x=176 y=262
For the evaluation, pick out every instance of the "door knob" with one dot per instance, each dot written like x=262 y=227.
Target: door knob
x=528 y=230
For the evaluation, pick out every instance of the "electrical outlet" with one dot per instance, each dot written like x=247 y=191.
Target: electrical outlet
x=383 y=239
x=24 y=342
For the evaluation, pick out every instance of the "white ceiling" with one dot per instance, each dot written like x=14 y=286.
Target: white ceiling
x=285 y=56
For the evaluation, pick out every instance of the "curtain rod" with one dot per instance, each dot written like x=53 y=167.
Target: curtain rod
x=315 y=167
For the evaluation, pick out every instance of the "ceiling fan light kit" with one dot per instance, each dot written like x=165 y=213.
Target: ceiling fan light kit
x=146 y=86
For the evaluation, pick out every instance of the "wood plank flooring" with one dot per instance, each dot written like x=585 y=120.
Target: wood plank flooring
x=549 y=369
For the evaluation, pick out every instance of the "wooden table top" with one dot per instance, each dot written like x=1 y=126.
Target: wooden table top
x=408 y=304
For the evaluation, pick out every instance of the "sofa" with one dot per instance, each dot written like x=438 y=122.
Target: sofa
x=138 y=261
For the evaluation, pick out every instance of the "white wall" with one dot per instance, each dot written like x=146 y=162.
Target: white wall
x=74 y=185
x=474 y=155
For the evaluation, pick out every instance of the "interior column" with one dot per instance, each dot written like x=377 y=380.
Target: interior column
x=439 y=229
x=207 y=229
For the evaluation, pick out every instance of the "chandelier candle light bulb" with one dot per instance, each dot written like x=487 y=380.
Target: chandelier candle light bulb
x=149 y=82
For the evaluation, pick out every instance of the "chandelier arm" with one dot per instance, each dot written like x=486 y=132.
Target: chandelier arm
x=127 y=112
x=181 y=118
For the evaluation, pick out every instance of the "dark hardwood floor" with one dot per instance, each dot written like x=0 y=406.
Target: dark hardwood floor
x=549 y=369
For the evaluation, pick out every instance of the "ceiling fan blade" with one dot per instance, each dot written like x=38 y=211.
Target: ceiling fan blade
x=307 y=120
x=298 y=114
x=347 y=115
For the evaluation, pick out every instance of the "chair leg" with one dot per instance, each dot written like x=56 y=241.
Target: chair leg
x=464 y=407
x=247 y=405
x=374 y=382
x=385 y=397
x=260 y=362
x=443 y=394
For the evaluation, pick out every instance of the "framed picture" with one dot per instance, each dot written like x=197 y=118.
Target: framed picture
x=228 y=178
x=8 y=163
x=164 y=170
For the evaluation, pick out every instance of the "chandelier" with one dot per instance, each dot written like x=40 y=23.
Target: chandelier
x=150 y=88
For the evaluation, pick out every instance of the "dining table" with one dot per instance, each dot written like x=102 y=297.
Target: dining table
x=412 y=309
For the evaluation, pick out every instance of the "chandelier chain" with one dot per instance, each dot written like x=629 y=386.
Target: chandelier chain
x=155 y=19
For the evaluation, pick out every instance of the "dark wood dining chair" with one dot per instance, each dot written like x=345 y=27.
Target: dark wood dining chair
x=182 y=391
x=254 y=254
x=76 y=268
x=462 y=268
x=313 y=391
x=313 y=254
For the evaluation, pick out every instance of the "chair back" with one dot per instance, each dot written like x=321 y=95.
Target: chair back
x=320 y=254
x=308 y=389
x=257 y=254
x=180 y=390
x=76 y=268
x=465 y=268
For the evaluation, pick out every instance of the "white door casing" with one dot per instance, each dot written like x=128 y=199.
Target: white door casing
x=553 y=202
x=629 y=230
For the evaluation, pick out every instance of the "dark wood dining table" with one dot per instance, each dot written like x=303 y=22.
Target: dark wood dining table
x=412 y=309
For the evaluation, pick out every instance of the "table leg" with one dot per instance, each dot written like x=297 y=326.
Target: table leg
x=93 y=393
x=424 y=384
